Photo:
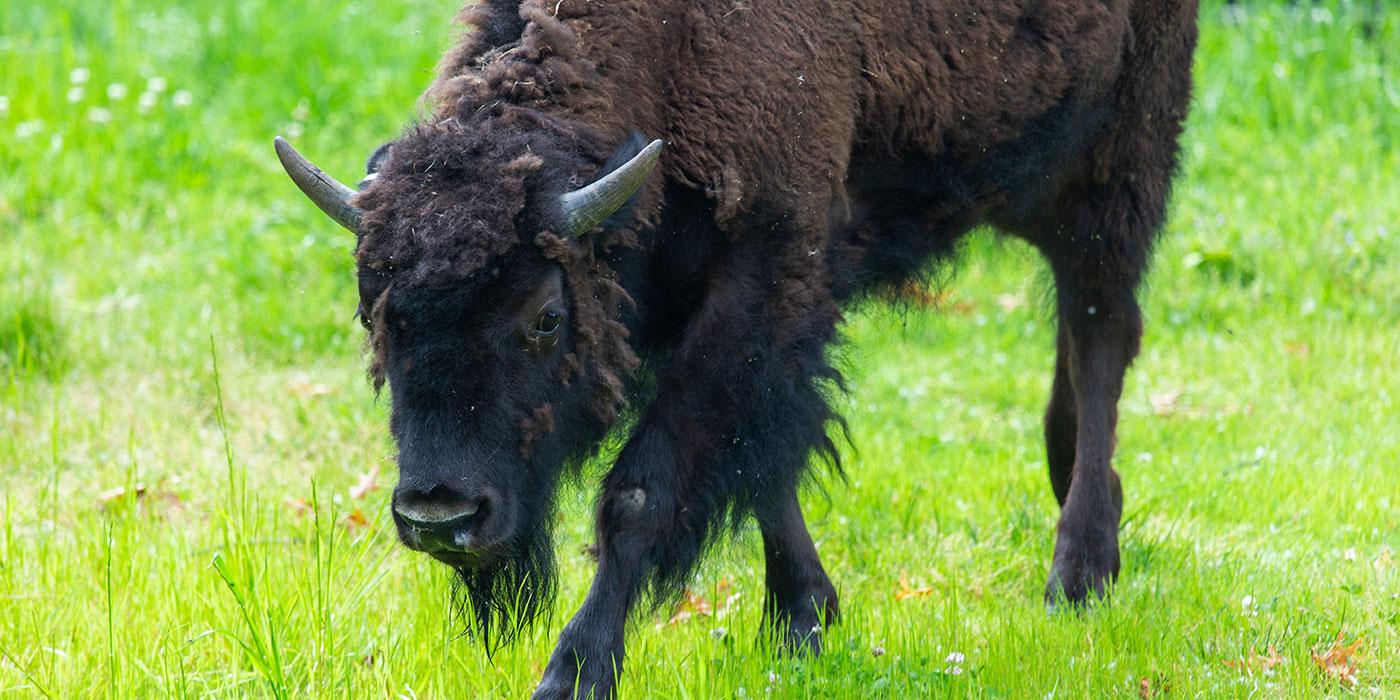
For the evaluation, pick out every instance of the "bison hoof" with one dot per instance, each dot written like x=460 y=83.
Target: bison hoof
x=556 y=690
x=583 y=667
x=565 y=686
x=796 y=637
x=1083 y=571
x=798 y=627
x=802 y=640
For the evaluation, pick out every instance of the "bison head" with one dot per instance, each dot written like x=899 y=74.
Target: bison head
x=469 y=302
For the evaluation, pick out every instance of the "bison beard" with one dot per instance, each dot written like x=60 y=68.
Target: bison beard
x=499 y=600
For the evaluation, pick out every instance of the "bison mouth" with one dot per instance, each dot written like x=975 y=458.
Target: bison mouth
x=462 y=560
x=502 y=593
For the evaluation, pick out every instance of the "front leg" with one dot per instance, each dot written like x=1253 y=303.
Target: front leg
x=635 y=534
x=660 y=503
x=588 y=658
x=801 y=601
x=586 y=662
x=737 y=413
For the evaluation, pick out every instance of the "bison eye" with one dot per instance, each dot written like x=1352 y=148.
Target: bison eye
x=547 y=324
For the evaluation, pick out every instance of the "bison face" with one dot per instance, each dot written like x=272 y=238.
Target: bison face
x=474 y=374
x=469 y=322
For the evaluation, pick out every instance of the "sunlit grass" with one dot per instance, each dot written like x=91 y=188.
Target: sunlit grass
x=145 y=231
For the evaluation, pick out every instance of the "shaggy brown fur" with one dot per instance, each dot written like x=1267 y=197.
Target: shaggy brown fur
x=816 y=152
x=761 y=104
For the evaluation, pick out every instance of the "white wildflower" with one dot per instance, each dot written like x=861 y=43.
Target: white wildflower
x=954 y=663
x=75 y=94
x=1249 y=606
x=78 y=76
x=24 y=130
x=156 y=84
x=1349 y=554
x=56 y=143
x=116 y=91
x=182 y=98
x=98 y=115
x=147 y=101
x=4 y=105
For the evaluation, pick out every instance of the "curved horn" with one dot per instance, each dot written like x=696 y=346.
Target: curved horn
x=589 y=206
x=323 y=190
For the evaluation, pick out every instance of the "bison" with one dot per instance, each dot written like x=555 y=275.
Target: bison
x=537 y=274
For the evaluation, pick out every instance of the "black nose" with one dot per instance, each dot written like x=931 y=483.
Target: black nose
x=440 y=519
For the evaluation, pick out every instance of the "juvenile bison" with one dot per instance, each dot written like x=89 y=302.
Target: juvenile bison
x=531 y=269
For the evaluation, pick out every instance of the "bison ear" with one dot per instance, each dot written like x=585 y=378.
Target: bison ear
x=375 y=162
x=614 y=190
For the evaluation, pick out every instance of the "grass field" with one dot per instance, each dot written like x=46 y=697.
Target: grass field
x=184 y=419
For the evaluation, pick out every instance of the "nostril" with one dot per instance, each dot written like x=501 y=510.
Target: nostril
x=435 y=507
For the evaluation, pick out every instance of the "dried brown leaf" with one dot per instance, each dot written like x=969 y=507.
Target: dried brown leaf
x=913 y=293
x=1298 y=349
x=117 y=493
x=724 y=587
x=691 y=605
x=919 y=295
x=369 y=482
x=300 y=506
x=1153 y=687
x=306 y=389
x=1339 y=660
x=355 y=521
x=1164 y=403
x=906 y=591
x=159 y=499
x=1010 y=302
x=1145 y=689
x=1384 y=561
x=696 y=605
x=1255 y=663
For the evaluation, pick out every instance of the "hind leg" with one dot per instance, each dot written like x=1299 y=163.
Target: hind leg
x=1098 y=244
x=1101 y=328
x=1061 y=422
x=1098 y=240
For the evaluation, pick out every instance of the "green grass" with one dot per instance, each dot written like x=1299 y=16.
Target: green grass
x=173 y=315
